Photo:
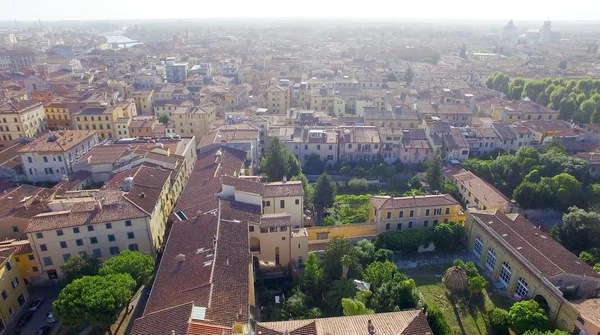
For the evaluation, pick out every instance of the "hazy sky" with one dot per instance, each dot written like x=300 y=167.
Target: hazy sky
x=409 y=9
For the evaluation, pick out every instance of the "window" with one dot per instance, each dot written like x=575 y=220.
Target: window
x=17 y=259
x=491 y=260
x=90 y=228
x=15 y=282
x=399 y=226
x=47 y=261
x=130 y=235
x=522 y=288
x=66 y=257
x=97 y=253
x=60 y=158
x=426 y=223
x=283 y=228
x=387 y=226
x=31 y=257
x=15 y=229
x=412 y=213
x=128 y=223
x=272 y=229
x=401 y=214
x=108 y=226
x=437 y=211
x=114 y=251
x=34 y=269
x=4 y=295
x=297 y=201
x=447 y=210
x=39 y=235
x=8 y=266
x=76 y=230
x=79 y=242
x=435 y=222
x=43 y=247
x=10 y=311
x=505 y=274
x=282 y=203
x=410 y=224
x=59 y=232
x=93 y=240
x=478 y=247
x=29 y=160
x=63 y=245
x=389 y=215
x=45 y=159
x=427 y=212
x=134 y=247
x=250 y=228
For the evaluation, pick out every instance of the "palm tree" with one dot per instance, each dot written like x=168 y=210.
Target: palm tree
x=346 y=262
x=340 y=289
x=455 y=280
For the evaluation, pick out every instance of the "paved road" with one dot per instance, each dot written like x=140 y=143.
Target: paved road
x=49 y=293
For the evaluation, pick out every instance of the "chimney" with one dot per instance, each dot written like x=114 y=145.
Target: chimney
x=284 y=179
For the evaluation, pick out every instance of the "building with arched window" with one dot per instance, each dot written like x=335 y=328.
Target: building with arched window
x=526 y=263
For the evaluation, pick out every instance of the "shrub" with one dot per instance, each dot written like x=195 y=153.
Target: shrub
x=499 y=321
x=469 y=267
x=437 y=322
x=357 y=184
x=587 y=257
x=528 y=315
x=404 y=240
x=448 y=236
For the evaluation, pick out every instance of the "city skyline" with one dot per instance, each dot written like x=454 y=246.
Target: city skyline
x=138 y=10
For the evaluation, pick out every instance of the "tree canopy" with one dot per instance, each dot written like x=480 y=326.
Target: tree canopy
x=324 y=192
x=278 y=162
x=314 y=165
x=97 y=299
x=139 y=266
x=527 y=315
x=434 y=171
x=79 y=266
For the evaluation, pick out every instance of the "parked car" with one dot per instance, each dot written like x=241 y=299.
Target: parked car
x=25 y=318
x=45 y=330
x=35 y=304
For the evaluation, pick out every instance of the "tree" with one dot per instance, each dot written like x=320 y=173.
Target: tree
x=414 y=193
x=469 y=267
x=395 y=295
x=314 y=313
x=79 y=266
x=340 y=289
x=365 y=251
x=314 y=165
x=313 y=275
x=448 y=236
x=562 y=65
x=355 y=307
x=449 y=188
x=324 y=193
x=97 y=299
x=587 y=258
x=499 y=321
x=392 y=77
x=358 y=185
x=463 y=52
x=278 y=162
x=437 y=321
x=434 y=171
x=308 y=189
x=455 y=280
x=163 y=118
x=378 y=273
x=382 y=255
x=527 y=315
x=409 y=75
x=476 y=285
x=295 y=306
x=580 y=230
x=136 y=264
x=331 y=259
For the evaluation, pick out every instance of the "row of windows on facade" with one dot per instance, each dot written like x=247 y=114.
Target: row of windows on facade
x=281 y=203
x=522 y=288
x=97 y=253
x=87 y=127
x=411 y=213
x=318 y=147
x=269 y=230
x=93 y=240
x=329 y=157
x=106 y=118
x=410 y=224
x=25 y=126
x=76 y=230
x=11 y=312
x=510 y=117
x=47 y=171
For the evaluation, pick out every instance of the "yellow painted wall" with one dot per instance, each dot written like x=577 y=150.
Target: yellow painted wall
x=28 y=265
x=347 y=231
x=11 y=303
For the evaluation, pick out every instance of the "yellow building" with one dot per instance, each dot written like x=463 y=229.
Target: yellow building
x=104 y=119
x=25 y=259
x=326 y=100
x=144 y=101
x=57 y=115
x=194 y=121
x=414 y=212
x=278 y=99
x=274 y=243
x=12 y=287
x=21 y=119
x=528 y=264
x=523 y=110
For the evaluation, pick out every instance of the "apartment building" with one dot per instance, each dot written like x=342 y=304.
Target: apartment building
x=359 y=143
x=526 y=263
x=104 y=119
x=278 y=99
x=144 y=101
x=176 y=71
x=21 y=58
x=325 y=100
x=25 y=259
x=50 y=157
x=455 y=146
x=168 y=107
x=17 y=206
x=242 y=137
x=57 y=115
x=457 y=115
x=275 y=243
x=21 y=119
x=397 y=117
x=194 y=121
x=12 y=286
x=426 y=211
x=523 y=110
x=476 y=192
x=306 y=141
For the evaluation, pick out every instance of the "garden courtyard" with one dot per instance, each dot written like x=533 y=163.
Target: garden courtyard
x=464 y=317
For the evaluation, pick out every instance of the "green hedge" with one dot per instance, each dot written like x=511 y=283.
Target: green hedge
x=404 y=240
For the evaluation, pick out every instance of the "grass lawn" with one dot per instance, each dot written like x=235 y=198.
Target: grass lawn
x=464 y=319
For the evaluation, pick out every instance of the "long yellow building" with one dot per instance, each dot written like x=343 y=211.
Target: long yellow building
x=414 y=212
x=12 y=287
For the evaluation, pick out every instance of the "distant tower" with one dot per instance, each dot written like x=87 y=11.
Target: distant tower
x=510 y=32
x=546 y=32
